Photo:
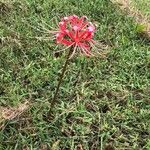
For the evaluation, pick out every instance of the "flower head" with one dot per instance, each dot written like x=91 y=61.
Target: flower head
x=76 y=32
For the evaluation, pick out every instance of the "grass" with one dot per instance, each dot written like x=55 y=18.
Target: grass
x=143 y=6
x=103 y=104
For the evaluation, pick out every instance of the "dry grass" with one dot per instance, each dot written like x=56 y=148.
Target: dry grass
x=10 y=113
x=134 y=12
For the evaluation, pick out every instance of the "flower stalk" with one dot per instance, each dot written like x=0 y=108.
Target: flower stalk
x=61 y=77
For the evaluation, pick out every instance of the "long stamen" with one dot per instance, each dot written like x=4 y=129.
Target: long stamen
x=48 y=24
x=65 y=48
x=74 y=50
x=85 y=52
x=42 y=38
x=43 y=27
x=38 y=29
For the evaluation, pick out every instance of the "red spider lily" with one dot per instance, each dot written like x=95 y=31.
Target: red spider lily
x=76 y=32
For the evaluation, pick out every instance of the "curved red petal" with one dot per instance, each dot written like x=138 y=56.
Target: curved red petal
x=66 y=42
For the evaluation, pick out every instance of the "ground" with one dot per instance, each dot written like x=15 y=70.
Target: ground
x=104 y=102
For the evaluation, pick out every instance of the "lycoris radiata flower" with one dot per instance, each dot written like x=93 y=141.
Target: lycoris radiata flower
x=77 y=33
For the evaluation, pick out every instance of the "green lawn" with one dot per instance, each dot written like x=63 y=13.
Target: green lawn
x=104 y=103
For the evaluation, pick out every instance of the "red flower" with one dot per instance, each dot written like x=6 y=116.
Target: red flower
x=76 y=32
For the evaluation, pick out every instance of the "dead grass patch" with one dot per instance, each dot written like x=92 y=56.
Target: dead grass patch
x=138 y=15
x=10 y=113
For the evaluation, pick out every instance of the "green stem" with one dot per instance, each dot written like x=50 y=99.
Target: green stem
x=61 y=78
